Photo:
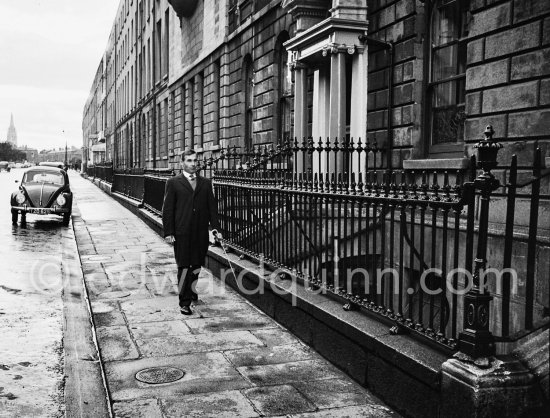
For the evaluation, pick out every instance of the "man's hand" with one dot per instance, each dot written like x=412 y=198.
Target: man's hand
x=215 y=236
x=170 y=239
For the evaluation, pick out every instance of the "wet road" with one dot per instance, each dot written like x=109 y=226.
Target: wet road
x=31 y=309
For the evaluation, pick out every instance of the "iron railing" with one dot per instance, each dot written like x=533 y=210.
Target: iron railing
x=387 y=240
x=102 y=171
x=345 y=234
x=395 y=243
x=129 y=182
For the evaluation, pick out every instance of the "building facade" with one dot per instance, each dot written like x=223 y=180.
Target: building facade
x=406 y=87
x=71 y=155
x=419 y=78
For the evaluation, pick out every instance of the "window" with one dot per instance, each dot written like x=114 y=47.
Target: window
x=164 y=151
x=183 y=117
x=166 y=42
x=200 y=109
x=149 y=76
x=248 y=81
x=157 y=133
x=191 y=96
x=446 y=94
x=172 y=119
x=284 y=91
x=217 y=98
x=158 y=51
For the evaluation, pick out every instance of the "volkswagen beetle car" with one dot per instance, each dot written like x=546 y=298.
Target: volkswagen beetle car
x=43 y=191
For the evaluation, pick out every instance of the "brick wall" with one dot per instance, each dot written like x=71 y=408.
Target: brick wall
x=508 y=76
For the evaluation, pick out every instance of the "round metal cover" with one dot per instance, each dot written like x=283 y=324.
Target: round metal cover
x=158 y=375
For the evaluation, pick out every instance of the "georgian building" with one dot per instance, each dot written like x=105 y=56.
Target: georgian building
x=419 y=78
x=401 y=90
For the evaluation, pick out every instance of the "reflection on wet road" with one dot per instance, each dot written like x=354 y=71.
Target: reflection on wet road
x=31 y=310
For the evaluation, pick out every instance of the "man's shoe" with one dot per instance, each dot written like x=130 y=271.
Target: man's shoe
x=186 y=310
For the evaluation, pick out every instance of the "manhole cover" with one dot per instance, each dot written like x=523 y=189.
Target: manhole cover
x=158 y=375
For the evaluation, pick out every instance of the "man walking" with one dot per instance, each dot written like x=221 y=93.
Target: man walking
x=189 y=208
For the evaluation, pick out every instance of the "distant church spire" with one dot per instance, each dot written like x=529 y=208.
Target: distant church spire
x=12 y=134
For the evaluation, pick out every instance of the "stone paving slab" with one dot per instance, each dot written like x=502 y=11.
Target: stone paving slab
x=279 y=400
x=290 y=371
x=205 y=372
x=147 y=330
x=116 y=343
x=238 y=362
x=141 y=408
x=169 y=346
x=215 y=404
x=229 y=323
x=270 y=354
x=334 y=393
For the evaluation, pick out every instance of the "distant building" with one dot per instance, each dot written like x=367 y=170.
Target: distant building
x=12 y=133
x=31 y=154
x=74 y=155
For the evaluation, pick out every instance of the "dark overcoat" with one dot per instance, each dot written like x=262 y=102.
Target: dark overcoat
x=186 y=214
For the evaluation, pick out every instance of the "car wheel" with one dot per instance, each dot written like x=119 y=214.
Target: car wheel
x=14 y=216
x=66 y=218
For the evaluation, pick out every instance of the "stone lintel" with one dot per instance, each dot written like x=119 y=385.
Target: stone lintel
x=437 y=164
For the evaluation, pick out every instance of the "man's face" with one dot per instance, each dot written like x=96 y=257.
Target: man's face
x=189 y=163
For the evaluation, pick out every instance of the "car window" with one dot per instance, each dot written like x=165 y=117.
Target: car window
x=43 y=177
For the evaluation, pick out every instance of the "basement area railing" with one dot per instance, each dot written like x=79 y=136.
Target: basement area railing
x=458 y=257
x=441 y=254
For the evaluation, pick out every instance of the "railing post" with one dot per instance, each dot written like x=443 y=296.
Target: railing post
x=477 y=340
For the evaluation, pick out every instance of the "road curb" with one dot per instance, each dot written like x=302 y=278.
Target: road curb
x=85 y=388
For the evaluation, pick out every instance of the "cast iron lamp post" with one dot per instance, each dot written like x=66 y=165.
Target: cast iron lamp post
x=477 y=340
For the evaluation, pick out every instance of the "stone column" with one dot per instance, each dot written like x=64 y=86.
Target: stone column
x=359 y=88
x=320 y=122
x=337 y=108
x=300 y=109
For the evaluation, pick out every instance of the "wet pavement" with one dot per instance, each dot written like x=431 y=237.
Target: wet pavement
x=228 y=359
x=31 y=309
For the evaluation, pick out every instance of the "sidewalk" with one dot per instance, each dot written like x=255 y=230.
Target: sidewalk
x=226 y=360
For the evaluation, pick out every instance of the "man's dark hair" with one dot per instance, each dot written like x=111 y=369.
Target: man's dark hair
x=187 y=153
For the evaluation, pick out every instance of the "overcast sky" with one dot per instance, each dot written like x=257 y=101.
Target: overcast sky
x=49 y=53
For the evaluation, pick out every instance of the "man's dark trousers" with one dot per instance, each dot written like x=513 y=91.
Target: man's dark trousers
x=187 y=277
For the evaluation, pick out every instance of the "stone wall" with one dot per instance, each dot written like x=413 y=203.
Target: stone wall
x=398 y=22
x=217 y=82
x=508 y=76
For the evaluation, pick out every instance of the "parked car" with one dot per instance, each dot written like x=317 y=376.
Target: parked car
x=57 y=164
x=5 y=166
x=43 y=191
